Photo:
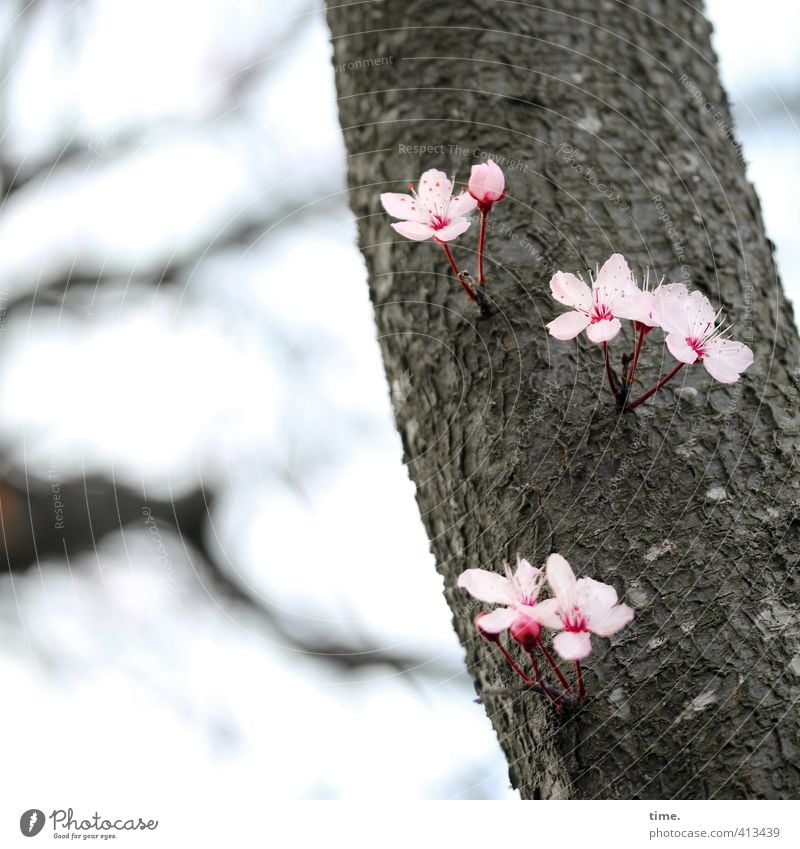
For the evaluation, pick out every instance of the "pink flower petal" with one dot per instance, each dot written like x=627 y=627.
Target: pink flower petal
x=638 y=308
x=403 y=206
x=414 y=230
x=725 y=359
x=629 y=303
x=498 y=620
x=547 y=613
x=486 y=182
x=461 y=205
x=680 y=348
x=527 y=578
x=454 y=229
x=603 y=331
x=434 y=189
x=569 y=290
x=670 y=307
x=572 y=645
x=595 y=597
x=701 y=311
x=613 y=620
x=561 y=579
x=487 y=586
x=568 y=325
x=614 y=278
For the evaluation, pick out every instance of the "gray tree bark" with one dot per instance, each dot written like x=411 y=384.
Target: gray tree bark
x=614 y=131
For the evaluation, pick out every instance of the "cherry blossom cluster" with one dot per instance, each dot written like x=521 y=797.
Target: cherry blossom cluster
x=694 y=330
x=578 y=608
x=433 y=212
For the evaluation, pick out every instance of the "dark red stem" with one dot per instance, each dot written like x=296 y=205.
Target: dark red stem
x=481 y=241
x=513 y=664
x=554 y=665
x=464 y=285
x=540 y=681
x=612 y=380
x=655 y=388
x=579 y=675
x=642 y=334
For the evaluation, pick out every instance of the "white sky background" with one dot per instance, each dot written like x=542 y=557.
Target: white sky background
x=258 y=375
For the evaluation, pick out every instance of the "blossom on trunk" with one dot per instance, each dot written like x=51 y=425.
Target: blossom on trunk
x=693 y=333
x=645 y=313
x=432 y=212
x=578 y=609
x=517 y=592
x=487 y=185
x=597 y=310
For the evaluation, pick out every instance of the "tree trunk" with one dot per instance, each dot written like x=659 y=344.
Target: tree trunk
x=614 y=132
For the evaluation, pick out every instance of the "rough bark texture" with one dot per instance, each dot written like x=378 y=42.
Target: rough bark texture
x=689 y=505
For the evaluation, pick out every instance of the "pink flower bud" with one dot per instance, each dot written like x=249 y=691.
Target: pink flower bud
x=526 y=632
x=487 y=184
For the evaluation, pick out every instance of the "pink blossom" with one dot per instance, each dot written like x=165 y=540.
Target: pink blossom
x=518 y=593
x=693 y=334
x=578 y=609
x=645 y=309
x=487 y=184
x=432 y=212
x=613 y=295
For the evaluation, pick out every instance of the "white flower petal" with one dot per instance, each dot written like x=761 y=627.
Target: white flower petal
x=670 y=307
x=414 y=230
x=461 y=205
x=498 y=620
x=628 y=304
x=434 y=190
x=595 y=595
x=561 y=579
x=614 y=279
x=454 y=229
x=569 y=290
x=404 y=207
x=568 y=325
x=547 y=613
x=572 y=645
x=640 y=309
x=680 y=348
x=613 y=620
x=603 y=331
x=725 y=359
x=701 y=311
x=487 y=586
x=528 y=579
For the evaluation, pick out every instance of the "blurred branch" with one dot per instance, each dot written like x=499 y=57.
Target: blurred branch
x=62 y=520
x=175 y=270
